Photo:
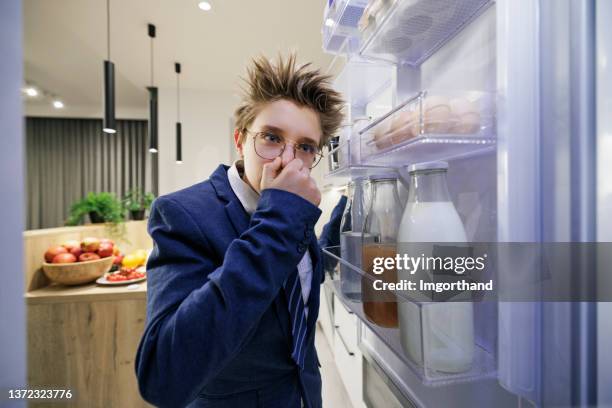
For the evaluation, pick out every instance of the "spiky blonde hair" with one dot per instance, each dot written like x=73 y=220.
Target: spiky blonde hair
x=269 y=81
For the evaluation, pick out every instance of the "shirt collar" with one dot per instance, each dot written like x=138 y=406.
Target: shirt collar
x=246 y=195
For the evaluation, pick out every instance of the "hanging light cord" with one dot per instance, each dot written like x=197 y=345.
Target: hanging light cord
x=108 y=49
x=152 y=77
x=178 y=98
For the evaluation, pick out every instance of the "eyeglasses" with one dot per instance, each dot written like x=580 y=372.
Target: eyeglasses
x=269 y=146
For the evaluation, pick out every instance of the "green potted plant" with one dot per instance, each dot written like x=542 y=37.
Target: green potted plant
x=137 y=202
x=100 y=207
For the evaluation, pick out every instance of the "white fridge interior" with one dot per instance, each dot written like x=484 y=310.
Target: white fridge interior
x=511 y=175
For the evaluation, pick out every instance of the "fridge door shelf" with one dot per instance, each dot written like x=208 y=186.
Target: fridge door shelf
x=340 y=20
x=430 y=126
x=418 y=346
x=347 y=173
x=413 y=30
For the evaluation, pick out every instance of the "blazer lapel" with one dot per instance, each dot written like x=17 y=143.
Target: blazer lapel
x=235 y=212
x=237 y=216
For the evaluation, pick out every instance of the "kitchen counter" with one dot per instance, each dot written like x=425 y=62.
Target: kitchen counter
x=86 y=293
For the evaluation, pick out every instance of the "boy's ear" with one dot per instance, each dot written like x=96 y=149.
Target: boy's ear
x=238 y=142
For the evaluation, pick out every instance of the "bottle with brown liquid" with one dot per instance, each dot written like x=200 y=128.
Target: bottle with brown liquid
x=380 y=234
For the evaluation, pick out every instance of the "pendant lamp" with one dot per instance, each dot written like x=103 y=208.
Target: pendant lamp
x=109 y=125
x=152 y=100
x=179 y=148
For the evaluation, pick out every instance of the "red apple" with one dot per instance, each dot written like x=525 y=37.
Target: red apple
x=88 y=256
x=90 y=244
x=110 y=241
x=105 y=249
x=73 y=243
x=65 y=257
x=117 y=259
x=54 y=250
x=76 y=251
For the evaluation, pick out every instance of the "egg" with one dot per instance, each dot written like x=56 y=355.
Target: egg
x=461 y=106
x=402 y=134
x=466 y=116
x=400 y=119
x=468 y=123
x=437 y=119
x=379 y=135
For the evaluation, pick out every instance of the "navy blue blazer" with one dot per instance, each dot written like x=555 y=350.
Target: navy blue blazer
x=218 y=330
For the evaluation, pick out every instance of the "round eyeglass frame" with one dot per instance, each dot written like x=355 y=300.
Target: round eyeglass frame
x=316 y=161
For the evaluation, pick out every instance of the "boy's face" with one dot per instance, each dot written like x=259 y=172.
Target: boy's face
x=294 y=124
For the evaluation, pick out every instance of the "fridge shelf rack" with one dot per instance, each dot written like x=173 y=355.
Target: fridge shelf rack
x=350 y=172
x=340 y=20
x=413 y=30
x=413 y=345
x=430 y=126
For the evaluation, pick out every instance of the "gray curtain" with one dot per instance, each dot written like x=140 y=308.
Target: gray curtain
x=67 y=158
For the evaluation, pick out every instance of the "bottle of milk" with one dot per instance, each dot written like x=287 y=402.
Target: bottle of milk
x=439 y=335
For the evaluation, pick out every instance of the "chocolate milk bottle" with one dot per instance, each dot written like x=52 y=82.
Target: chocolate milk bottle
x=380 y=232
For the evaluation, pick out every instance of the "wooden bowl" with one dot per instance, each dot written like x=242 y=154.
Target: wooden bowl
x=77 y=273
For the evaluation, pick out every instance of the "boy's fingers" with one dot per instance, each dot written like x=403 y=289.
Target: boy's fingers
x=270 y=170
x=295 y=164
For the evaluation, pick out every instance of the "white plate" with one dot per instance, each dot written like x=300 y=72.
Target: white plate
x=102 y=280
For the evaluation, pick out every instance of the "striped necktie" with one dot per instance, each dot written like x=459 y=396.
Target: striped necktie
x=293 y=293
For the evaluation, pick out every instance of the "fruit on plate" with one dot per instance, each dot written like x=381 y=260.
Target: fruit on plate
x=142 y=255
x=116 y=277
x=90 y=244
x=131 y=261
x=105 y=249
x=88 y=256
x=53 y=251
x=125 y=274
x=65 y=257
x=116 y=250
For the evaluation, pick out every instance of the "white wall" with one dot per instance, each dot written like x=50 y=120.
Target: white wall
x=207 y=136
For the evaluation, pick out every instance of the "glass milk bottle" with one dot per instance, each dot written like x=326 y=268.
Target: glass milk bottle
x=439 y=335
x=351 y=228
x=379 y=240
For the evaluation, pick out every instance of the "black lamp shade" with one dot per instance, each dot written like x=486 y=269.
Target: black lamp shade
x=109 y=125
x=179 y=142
x=152 y=119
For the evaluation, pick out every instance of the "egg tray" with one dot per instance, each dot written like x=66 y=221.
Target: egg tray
x=431 y=126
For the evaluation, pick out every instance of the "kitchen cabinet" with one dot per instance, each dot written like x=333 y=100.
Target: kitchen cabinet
x=84 y=337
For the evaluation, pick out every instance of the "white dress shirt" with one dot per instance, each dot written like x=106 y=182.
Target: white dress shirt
x=249 y=198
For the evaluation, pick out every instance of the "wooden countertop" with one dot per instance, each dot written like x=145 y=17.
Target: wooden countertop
x=86 y=293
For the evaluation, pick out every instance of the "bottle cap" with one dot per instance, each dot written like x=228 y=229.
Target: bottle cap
x=434 y=165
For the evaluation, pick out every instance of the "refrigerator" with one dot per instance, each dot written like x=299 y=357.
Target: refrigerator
x=534 y=168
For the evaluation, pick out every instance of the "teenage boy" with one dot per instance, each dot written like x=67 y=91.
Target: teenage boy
x=235 y=272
